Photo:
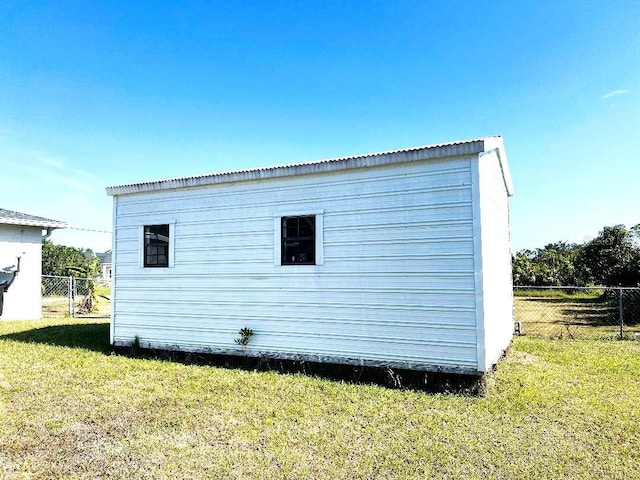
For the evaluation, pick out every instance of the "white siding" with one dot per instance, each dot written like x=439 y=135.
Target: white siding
x=497 y=287
x=23 y=301
x=396 y=287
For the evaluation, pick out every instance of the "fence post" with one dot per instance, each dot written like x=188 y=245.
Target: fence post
x=70 y=295
x=75 y=295
x=621 y=315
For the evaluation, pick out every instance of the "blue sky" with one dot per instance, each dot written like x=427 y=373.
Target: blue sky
x=104 y=93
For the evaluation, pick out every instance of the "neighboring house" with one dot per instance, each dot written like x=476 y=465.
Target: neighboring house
x=105 y=265
x=21 y=263
x=398 y=259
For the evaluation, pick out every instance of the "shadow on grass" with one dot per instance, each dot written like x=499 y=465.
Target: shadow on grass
x=595 y=301
x=393 y=378
x=90 y=336
x=595 y=317
x=95 y=337
x=594 y=312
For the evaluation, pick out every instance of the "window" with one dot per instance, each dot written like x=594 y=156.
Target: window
x=156 y=245
x=298 y=240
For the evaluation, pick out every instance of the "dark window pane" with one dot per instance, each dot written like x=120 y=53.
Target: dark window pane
x=298 y=240
x=306 y=227
x=156 y=245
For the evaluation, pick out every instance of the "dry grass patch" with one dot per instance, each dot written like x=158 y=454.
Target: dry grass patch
x=72 y=410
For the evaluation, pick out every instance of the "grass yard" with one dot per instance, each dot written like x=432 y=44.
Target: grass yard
x=569 y=317
x=554 y=409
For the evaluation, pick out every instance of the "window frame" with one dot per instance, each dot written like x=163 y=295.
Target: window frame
x=319 y=236
x=142 y=247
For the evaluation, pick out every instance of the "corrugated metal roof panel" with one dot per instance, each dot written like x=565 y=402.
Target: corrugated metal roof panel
x=10 y=217
x=464 y=147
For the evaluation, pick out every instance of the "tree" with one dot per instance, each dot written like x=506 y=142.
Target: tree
x=613 y=257
x=553 y=265
x=68 y=261
x=557 y=264
x=523 y=268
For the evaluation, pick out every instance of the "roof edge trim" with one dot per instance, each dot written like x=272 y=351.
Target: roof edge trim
x=34 y=223
x=431 y=152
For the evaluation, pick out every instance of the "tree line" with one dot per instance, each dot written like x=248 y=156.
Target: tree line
x=611 y=259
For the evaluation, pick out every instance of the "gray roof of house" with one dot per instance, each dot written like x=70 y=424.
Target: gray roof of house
x=9 y=217
x=453 y=149
x=104 y=257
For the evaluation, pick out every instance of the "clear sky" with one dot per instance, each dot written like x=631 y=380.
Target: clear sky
x=94 y=94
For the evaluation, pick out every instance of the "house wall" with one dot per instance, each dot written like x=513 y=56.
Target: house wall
x=23 y=301
x=396 y=286
x=105 y=273
x=497 y=285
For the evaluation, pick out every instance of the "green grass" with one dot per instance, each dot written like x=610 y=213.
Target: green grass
x=102 y=289
x=591 y=293
x=70 y=409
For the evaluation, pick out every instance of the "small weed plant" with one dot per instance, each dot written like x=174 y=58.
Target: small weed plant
x=245 y=335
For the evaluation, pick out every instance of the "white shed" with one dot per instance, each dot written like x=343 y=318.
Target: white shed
x=21 y=237
x=398 y=259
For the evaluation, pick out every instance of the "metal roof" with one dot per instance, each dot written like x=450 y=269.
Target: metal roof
x=9 y=217
x=429 y=152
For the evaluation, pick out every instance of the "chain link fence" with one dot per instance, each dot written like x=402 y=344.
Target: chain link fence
x=577 y=312
x=75 y=297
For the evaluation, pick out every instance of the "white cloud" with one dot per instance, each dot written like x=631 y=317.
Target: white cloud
x=41 y=170
x=62 y=166
x=614 y=93
x=69 y=182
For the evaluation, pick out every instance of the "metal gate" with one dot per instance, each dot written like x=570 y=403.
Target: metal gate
x=75 y=297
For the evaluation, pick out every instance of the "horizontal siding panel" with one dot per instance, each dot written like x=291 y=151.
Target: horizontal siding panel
x=444 y=352
x=228 y=315
x=436 y=208
x=439 y=174
x=322 y=330
x=129 y=265
x=249 y=300
x=349 y=200
x=340 y=281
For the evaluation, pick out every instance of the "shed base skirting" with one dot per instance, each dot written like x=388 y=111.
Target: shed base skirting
x=311 y=358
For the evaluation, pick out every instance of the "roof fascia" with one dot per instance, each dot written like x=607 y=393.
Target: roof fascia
x=469 y=147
